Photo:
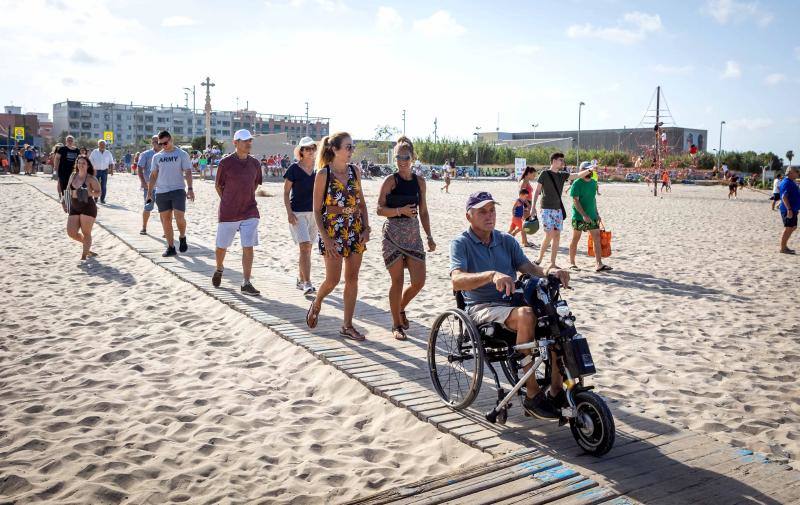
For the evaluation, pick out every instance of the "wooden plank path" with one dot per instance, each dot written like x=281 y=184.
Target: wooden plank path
x=536 y=462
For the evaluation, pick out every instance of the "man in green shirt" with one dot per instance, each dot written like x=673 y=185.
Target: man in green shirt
x=585 y=218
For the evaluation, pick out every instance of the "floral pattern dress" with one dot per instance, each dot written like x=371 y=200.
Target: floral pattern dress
x=344 y=229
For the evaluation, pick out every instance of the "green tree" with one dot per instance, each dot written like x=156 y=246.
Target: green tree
x=199 y=143
x=789 y=156
x=385 y=132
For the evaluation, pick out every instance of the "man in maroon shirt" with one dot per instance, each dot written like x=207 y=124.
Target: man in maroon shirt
x=238 y=177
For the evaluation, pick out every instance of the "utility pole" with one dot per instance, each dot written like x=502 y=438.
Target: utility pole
x=578 y=151
x=657 y=160
x=208 y=84
x=404 y=122
x=307 y=124
x=534 y=125
x=435 y=130
x=719 y=151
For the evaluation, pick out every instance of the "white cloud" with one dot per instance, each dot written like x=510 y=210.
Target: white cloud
x=732 y=70
x=439 y=24
x=726 y=11
x=773 y=79
x=174 y=21
x=750 y=124
x=388 y=19
x=633 y=27
x=673 y=69
x=526 y=49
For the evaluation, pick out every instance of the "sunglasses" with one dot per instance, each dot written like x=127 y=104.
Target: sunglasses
x=349 y=147
x=163 y=143
x=310 y=148
x=403 y=157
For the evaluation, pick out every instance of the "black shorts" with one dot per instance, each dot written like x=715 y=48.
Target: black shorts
x=775 y=197
x=171 y=200
x=789 y=222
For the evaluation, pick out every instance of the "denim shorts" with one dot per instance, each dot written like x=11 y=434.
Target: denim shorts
x=148 y=207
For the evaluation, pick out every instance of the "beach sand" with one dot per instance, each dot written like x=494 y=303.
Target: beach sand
x=121 y=383
x=697 y=323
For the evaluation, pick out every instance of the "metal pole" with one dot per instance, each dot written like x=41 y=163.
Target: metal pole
x=719 y=151
x=404 y=122
x=208 y=84
x=658 y=141
x=578 y=150
x=534 y=125
x=477 y=128
x=307 y=125
x=435 y=130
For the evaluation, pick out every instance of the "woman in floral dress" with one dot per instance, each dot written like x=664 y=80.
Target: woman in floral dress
x=343 y=223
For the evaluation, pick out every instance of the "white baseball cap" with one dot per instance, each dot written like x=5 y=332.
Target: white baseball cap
x=242 y=135
x=306 y=141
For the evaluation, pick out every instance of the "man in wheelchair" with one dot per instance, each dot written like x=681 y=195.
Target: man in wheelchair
x=483 y=265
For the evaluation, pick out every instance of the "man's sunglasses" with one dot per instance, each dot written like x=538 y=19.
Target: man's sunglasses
x=403 y=157
x=163 y=143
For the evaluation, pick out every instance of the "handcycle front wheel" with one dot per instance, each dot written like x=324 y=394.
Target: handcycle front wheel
x=593 y=427
x=455 y=358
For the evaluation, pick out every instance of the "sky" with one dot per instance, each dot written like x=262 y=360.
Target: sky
x=468 y=64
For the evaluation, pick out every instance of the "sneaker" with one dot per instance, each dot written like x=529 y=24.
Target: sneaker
x=182 y=247
x=216 y=279
x=539 y=406
x=170 y=252
x=300 y=285
x=248 y=289
x=308 y=288
x=142 y=232
x=559 y=401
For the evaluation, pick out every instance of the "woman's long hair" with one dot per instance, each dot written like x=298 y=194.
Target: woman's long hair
x=89 y=167
x=325 y=154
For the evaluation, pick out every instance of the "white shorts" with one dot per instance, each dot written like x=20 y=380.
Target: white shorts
x=482 y=313
x=248 y=232
x=306 y=228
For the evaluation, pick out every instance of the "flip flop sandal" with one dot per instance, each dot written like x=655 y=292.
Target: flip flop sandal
x=312 y=315
x=404 y=323
x=398 y=333
x=574 y=268
x=92 y=254
x=604 y=268
x=351 y=333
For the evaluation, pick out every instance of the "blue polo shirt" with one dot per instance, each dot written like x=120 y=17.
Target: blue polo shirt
x=789 y=187
x=469 y=254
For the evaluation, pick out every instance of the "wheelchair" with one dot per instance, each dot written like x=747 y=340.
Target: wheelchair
x=459 y=351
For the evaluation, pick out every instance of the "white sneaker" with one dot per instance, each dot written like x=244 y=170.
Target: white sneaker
x=300 y=285
x=308 y=288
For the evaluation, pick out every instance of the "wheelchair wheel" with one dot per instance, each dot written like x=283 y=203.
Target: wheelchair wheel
x=455 y=358
x=593 y=428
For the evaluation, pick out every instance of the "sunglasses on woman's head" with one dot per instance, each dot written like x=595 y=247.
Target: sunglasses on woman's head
x=403 y=157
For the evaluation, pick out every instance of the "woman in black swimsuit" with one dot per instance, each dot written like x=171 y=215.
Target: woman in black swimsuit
x=83 y=189
x=401 y=200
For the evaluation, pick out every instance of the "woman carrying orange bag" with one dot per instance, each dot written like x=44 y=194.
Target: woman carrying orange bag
x=585 y=217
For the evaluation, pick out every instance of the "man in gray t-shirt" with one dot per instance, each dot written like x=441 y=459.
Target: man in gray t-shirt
x=550 y=185
x=145 y=166
x=170 y=168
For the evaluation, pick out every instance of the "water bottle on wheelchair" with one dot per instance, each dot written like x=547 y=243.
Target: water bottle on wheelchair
x=458 y=350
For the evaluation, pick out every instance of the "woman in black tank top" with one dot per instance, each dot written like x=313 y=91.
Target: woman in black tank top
x=401 y=200
x=81 y=190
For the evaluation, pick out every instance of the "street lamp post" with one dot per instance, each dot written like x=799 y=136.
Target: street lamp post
x=578 y=151
x=404 y=122
x=719 y=152
x=477 y=130
x=534 y=125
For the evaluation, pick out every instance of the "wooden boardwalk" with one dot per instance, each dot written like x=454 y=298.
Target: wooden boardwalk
x=536 y=462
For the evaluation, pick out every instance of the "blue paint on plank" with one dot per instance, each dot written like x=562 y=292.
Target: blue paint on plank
x=556 y=474
x=581 y=484
x=748 y=456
